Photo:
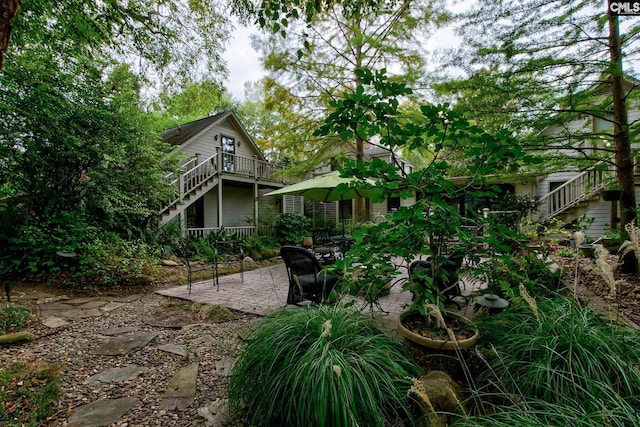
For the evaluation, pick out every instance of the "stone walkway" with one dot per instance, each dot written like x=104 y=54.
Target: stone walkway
x=58 y=312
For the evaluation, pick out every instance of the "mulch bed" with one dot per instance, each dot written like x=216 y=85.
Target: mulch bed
x=590 y=280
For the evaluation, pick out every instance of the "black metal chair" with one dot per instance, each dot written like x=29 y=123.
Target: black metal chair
x=193 y=268
x=228 y=252
x=448 y=282
x=307 y=281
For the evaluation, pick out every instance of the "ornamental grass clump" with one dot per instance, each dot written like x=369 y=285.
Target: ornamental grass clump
x=322 y=366
x=564 y=366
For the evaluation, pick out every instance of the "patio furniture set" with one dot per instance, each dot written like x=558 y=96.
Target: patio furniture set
x=308 y=279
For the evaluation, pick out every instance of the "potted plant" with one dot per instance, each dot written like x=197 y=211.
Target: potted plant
x=427 y=322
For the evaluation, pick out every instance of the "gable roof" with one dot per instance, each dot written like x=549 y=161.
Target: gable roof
x=182 y=134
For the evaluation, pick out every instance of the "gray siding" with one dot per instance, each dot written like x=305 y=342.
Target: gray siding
x=237 y=206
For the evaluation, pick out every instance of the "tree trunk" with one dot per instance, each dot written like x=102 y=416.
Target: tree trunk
x=623 y=157
x=8 y=10
x=361 y=207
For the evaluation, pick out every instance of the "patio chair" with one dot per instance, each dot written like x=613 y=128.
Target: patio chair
x=448 y=283
x=193 y=268
x=307 y=281
x=228 y=252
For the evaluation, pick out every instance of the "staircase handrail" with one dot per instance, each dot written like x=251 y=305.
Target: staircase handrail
x=571 y=193
x=191 y=180
x=197 y=176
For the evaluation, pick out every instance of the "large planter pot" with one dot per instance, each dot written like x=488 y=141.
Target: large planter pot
x=469 y=340
x=611 y=195
x=587 y=250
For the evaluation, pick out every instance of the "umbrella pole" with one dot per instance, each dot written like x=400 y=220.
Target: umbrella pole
x=340 y=213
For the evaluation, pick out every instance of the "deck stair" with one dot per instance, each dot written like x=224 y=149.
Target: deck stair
x=572 y=198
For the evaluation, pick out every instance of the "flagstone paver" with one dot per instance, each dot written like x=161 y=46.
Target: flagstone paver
x=80 y=313
x=119 y=330
x=92 y=304
x=128 y=298
x=215 y=413
x=81 y=301
x=203 y=340
x=224 y=366
x=57 y=306
x=101 y=412
x=110 y=306
x=123 y=344
x=181 y=389
x=176 y=349
x=114 y=375
x=54 y=322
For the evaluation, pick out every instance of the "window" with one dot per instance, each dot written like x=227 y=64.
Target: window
x=228 y=153
x=393 y=204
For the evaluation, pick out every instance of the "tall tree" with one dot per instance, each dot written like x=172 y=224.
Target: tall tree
x=318 y=59
x=539 y=64
x=167 y=40
x=193 y=101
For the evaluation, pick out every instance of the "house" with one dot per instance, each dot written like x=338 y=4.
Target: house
x=569 y=193
x=223 y=177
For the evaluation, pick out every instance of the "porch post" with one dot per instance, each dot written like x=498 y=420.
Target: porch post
x=220 y=181
x=255 y=194
x=255 y=206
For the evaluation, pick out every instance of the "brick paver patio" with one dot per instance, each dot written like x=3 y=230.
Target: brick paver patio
x=264 y=290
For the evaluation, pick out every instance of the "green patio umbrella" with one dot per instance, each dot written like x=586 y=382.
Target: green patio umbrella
x=330 y=187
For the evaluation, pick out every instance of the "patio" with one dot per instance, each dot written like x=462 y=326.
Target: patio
x=264 y=290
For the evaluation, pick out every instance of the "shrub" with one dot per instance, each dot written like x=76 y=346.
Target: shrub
x=322 y=366
x=556 y=359
x=13 y=319
x=111 y=260
x=504 y=274
x=292 y=227
x=260 y=247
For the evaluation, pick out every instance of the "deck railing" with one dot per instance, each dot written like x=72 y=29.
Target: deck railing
x=240 y=232
x=194 y=174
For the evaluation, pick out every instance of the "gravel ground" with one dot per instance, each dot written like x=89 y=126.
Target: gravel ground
x=73 y=345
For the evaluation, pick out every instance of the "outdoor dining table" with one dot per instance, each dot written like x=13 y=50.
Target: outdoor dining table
x=344 y=242
x=326 y=255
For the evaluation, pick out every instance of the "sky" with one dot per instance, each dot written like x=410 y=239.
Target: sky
x=242 y=61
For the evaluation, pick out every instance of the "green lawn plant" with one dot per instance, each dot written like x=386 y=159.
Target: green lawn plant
x=321 y=366
x=555 y=362
x=29 y=393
